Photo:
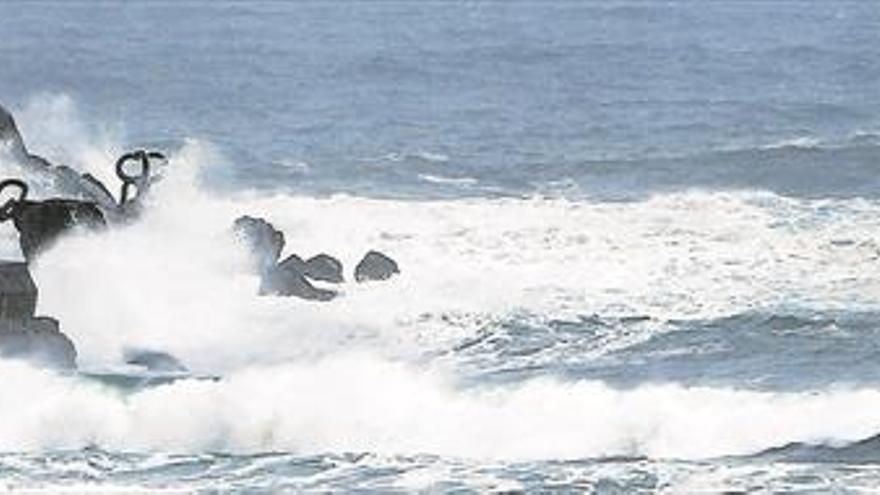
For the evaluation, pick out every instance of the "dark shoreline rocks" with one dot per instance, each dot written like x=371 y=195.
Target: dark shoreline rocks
x=262 y=240
x=290 y=282
x=66 y=181
x=41 y=223
x=23 y=335
x=375 y=266
x=38 y=340
x=293 y=276
x=322 y=267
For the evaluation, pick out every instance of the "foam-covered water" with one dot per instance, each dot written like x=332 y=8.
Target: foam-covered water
x=623 y=268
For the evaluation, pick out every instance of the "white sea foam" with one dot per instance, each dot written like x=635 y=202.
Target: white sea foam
x=53 y=127
x=357 y=403
x=456 y=181
x=795 y=142
x=177 y=281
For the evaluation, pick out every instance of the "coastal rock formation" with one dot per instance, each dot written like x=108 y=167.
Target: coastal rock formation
x=40 y=223
x=322 y=267
x=293 y=276
x=10 y=139
x=375 y=266
x=288 y=281
x=66 y=181
x=263 y=241
x=288 y=278
x=22 y=334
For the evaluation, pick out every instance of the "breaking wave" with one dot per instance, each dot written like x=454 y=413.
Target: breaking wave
x=360 y=373
x=357 y=403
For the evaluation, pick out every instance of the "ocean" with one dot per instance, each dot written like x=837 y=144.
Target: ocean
x=637 y=241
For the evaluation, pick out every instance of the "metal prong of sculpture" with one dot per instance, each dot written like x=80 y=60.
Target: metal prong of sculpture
x=140 y=182
x=40 y=223
x=68 y=182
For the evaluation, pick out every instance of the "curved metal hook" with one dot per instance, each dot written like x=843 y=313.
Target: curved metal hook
x=140 y=180
x=7 y=211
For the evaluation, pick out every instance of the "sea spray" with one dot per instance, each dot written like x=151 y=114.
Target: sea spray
x=361 y=403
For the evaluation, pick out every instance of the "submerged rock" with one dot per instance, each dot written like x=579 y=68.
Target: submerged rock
x=155 y=361
x=40 y=223
x=375 y=266
x=288 y=281
x=22 y=335
x=264 y=242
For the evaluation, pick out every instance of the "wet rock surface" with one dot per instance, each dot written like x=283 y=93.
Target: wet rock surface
x=322 y=267
x=375 y=266
x=287 y=278
x=22 y=334
x=287 y=281
x=264 y=242
x=38 y=340
x=294 y=276
x=66 y=181
x=10 y=139
x=41 y=223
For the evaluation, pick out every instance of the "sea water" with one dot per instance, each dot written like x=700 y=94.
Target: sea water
x=638 y=244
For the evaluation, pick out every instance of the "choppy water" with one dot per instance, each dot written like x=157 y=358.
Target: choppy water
x=638 y=244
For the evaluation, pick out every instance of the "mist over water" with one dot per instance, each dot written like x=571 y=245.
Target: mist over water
x=622 y=266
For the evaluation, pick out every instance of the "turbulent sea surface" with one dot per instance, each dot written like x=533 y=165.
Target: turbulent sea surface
x=638 y=240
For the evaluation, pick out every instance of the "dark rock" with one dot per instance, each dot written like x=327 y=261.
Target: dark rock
x=37 y=340
x=156 y=361
x=66 y=181
x=69 y=182
x=10 y=139
x=18 y=292
x=262 y=239
x=293 y=262
x=288 y=281
x=375 y=266
x=12 y=143
x=322 y=267
x=40 y=223
x=23 y=336
x=325 y=268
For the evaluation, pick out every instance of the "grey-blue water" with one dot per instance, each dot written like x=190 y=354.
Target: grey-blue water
x=638 y=243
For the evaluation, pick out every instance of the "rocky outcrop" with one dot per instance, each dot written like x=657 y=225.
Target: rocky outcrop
x=293 y=276
x=10 y=139
x=68 y=182
x=375 y=266
x=22 y=334
x=322 y=267
x=41 y=223
x=38 y=340
x=262 y=240
x=287 y=281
